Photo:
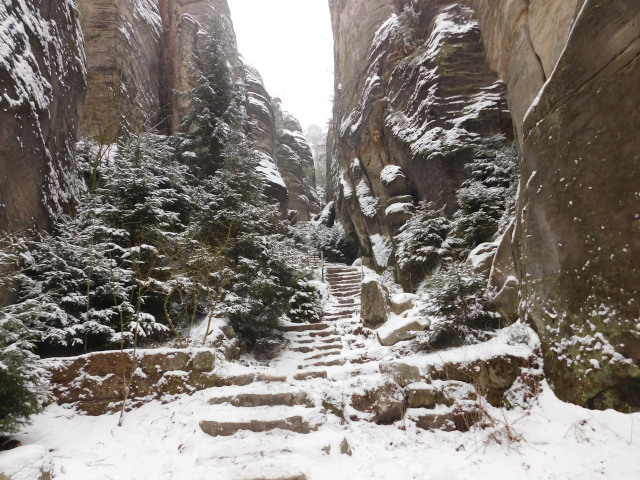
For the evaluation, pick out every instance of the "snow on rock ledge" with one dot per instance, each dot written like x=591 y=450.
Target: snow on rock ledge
x=95 y=382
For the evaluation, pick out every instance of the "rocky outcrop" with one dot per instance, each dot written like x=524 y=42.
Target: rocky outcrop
x=572 y=70
x=42 y=82
x=413 y=96
x=138 y=68
x=123 y=41
x=96 y=383
x=286 y=162
x=138 y=61
x=181 y=21
x=295 y=162
x=263 y=131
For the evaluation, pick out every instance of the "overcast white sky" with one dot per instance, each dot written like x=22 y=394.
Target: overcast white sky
x=290 y=43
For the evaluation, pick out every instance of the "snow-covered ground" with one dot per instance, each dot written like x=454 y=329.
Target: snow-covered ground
x=557 y=441
x=160 y=441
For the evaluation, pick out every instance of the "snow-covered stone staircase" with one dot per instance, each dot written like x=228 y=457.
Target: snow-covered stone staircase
x=287 y=398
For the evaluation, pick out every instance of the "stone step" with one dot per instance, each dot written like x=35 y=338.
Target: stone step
x=448 y=419
x=348 y=301
x=342 y=268
x=324 y=354
x=249 y=378
x=329 y=346
x=227 y=420
x=310 y=374
x=322 y=333
x=300 y=337
x=294 y=423
x=303 y=349
x=345 y=284
x=247 y=400
x=304 y=327
x=329 y=363
x=335 y=279
x=280 y=466
x=346 y=293
x=332 y=317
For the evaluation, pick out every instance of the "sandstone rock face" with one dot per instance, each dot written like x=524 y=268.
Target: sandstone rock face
x=263 y=131
x=95 y=383
x=295 y=162
x=575 y=236
x=181 y=21
x=138 y=55
x=138 y=66
x=123 y=41
x=42 y=82
x=413 y=95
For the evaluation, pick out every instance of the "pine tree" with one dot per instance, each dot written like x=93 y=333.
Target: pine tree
x=23 y=382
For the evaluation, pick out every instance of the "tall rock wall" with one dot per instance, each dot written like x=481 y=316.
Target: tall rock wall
x=572 y=69
x=123 y=40
x=263 y=131
x=413 y=97
x=138 y=54
x=42 y=83
x=295 y=162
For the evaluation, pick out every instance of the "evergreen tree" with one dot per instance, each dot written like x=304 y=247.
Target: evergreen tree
x=23 y=382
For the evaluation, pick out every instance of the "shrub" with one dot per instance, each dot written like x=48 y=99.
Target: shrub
x=23 y=382
x=462 y=309
x=420 y=247
x=332 y=242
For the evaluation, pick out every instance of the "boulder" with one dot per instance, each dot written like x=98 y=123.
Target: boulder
x=401 y=302
x=399 y=329
x=375 y=302
x=481 y=258
x=401 y=373
x=385 y=403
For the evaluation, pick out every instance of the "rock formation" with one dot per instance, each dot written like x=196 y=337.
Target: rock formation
x=413 y=96
x=295 y=162
x=123 y=42
x=286 y=159
x=263 y=131
x=138 y=61
x=42 y=86
x=572 y=69
x=137 y=64
x=412 y=99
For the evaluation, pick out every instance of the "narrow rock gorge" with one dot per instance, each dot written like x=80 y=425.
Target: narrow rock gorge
x=430 y=96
